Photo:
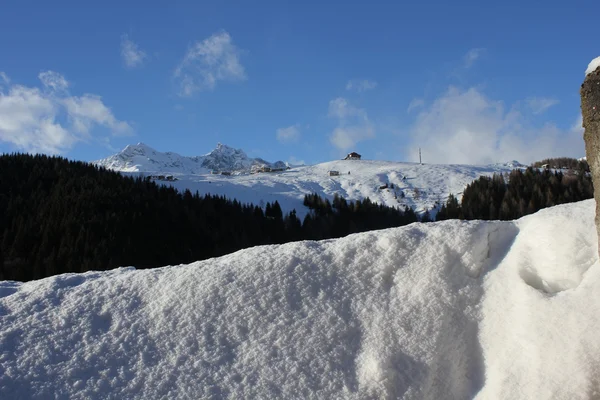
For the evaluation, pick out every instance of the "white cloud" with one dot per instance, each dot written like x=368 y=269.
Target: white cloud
x=31 y=119
x=87 y=111
x=538 y=105
x=53 y=81
x=131 y=54
x=472 y=56
x=289 y=134
x=361 y=85
x=346 y=137
x=207 y=62
x=466 y=127
x=577 y=127
x=414 y=104
x=295 y=161
x=4 y=78
x=353 y=124
x=27 y=120
x=341 y=109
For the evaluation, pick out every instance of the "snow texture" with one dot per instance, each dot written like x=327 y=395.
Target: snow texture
x=448 y=310
x=420 y=186
x=593 y=65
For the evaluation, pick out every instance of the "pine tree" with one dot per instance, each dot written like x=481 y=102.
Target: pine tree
x=426 y=216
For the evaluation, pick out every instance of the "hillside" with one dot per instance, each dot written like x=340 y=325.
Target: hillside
x=414 y=185
x=449 y=310
x=425 y=186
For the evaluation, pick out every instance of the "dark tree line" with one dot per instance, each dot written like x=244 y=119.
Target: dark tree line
x=339 y=218
x=520 y=193
x=59 y=216
x=563 y=163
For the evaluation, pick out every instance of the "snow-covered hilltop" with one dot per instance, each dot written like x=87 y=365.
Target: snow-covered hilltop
x=395 y=184
x=143 y=158
x=449 y=310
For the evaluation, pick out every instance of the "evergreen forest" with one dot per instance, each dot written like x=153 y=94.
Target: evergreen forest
x=512 y=196
x=59 y=216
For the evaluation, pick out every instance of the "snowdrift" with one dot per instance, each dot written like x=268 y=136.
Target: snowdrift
x=450 y=310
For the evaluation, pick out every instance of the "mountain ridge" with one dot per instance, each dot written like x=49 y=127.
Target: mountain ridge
x=142 y=158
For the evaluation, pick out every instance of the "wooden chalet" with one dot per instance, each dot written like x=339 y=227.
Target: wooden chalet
x=353 y=156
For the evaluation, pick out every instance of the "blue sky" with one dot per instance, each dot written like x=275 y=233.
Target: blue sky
x=297 y=81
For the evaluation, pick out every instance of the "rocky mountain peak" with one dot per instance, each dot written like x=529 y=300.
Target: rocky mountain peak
x=142 y=158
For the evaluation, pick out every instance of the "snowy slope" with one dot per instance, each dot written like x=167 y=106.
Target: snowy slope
x=143 y=158
x=418 y=186
x=424 y=187
x=450 y=310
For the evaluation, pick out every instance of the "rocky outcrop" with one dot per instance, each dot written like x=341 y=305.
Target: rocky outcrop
x=590 y=111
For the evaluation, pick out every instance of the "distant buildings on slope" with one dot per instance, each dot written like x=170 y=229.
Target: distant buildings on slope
x=263 y=169
x=353 y=156
x=168 y=178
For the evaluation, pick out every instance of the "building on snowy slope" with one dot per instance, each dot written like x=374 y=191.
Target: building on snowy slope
x=169 y=178
x=352 y=156
x=334 y=173
x=269 y=169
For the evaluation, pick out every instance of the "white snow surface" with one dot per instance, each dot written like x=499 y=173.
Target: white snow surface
x=426 y=186
x=448 y=310
x=593 y=65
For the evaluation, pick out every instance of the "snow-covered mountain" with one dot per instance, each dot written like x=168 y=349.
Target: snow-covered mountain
x=143 y=158
x=395 y=184
x=448 y=310
x=514 y=164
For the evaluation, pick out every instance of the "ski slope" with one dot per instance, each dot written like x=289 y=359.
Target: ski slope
x=448 y=310
x=414 y=185
x=420 y=186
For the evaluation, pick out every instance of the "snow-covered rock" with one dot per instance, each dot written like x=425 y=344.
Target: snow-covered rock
x=592 y=66
x=449 y=310
x=143 y=158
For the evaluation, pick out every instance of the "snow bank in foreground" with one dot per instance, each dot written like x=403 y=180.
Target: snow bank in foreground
x=593 y=65
x=450 y=310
